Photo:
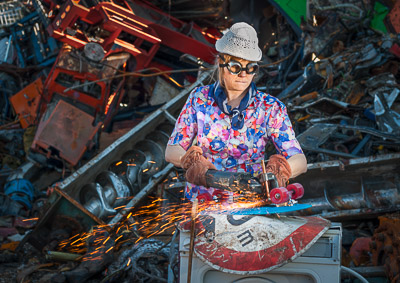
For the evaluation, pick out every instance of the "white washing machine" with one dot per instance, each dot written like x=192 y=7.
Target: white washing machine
x=319 y=264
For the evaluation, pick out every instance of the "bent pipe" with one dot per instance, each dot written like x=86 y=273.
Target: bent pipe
x=353 y=204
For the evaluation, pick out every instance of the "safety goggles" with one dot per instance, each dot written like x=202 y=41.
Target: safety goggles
x=235 y=68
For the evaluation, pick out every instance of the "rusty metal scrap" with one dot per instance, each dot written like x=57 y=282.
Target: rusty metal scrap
x=142 y=262
x=355 y=99
x=385 y=245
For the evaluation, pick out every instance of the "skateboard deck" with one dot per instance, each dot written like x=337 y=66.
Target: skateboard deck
x=265 y=210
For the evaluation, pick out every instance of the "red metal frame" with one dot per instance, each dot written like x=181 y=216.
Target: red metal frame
x=114 y=20
x=98 y=104
x=53 y=87
x=178 y=40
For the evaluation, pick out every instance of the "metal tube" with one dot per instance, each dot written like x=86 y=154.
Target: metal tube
x=370 y=271
x=387 y=198
x=192 y=235
x=8 y=49
x=53 y=255
x=265 y=183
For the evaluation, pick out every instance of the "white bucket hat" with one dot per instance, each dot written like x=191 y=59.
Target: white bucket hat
x=240 y=41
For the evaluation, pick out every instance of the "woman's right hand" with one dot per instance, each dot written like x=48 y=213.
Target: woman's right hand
x=196 y=166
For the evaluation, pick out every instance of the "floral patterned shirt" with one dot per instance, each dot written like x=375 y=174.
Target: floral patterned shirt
x=233 y=150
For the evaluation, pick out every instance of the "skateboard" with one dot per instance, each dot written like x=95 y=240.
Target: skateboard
x=264 y=210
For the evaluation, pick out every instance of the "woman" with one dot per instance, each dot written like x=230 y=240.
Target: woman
x=230 y=122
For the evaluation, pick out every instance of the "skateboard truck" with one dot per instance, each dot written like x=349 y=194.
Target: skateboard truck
x=266 y=185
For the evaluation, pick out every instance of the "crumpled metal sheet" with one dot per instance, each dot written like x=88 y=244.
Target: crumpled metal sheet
x=385 y=245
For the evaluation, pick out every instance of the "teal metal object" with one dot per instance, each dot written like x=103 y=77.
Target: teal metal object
x=32 y=44
x=265 y=210
x=22 y=191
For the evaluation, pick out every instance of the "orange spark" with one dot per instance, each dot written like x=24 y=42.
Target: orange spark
x=108 y=238
x=110 y=99
x=31 y=219
x=75 y=241
x=122 y=206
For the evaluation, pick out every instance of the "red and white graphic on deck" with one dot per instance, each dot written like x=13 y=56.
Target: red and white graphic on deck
x=255 y=244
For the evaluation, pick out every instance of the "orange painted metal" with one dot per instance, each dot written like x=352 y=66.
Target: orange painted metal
x=65 y=132
x=393 y=18
x=26 y=103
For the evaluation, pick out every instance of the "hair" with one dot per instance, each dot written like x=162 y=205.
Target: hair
x=219 y=70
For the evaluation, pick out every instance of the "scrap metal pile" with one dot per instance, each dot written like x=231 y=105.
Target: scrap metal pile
x=345 y=109
x=76 y=71
x=73 y=73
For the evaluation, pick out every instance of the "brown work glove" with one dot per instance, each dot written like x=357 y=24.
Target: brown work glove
x=192 y=155
x=196 y=166
x=278 y=166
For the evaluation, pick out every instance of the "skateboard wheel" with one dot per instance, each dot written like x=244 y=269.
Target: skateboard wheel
x=296 y=189
x=279 y=195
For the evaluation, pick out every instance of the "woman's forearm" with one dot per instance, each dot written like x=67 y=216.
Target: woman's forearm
x=174 y=153
x=298 y=164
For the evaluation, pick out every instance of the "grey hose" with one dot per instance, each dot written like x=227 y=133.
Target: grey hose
x=355 y=274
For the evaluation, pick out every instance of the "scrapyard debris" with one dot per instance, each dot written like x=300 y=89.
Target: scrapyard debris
x=88 y=77
x=384 y=246
x=68 y=219
x=351 y=96
x=146 y=261
x=131 y=170
x=11 y=11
